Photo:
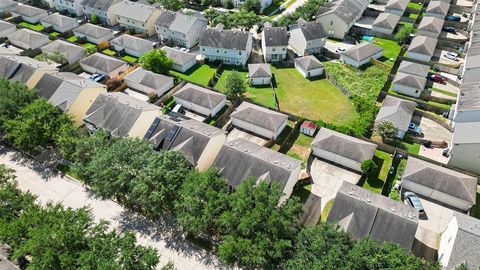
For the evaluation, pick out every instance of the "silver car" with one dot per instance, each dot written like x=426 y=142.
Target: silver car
x=414 y=201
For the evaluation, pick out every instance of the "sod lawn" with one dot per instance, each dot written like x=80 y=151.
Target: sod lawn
x=35 y=27
x=130 y=59
x=391 y=49
x=376 y=180
x=199 y=74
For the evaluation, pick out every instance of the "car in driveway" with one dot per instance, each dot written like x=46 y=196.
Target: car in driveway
x=437 y=78
x=414 y=129
x=451 y=55
x=449 y=29
x=413 y=200
x=97 y=77
x=453 y=18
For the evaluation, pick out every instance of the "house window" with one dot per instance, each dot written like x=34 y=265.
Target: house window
x=203 y=49
x=331 y=22
x=218 y=51
x=225 y=52
x=416 y=91
x=283 y=49
x=331 y=32
x=239 y=52
x=273 y=49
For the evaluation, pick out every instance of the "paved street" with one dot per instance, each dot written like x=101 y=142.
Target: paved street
x=51 y=187
x=291 y=8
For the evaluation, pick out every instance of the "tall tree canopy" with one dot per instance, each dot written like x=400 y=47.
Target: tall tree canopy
x=156 y=61
x=13 y=97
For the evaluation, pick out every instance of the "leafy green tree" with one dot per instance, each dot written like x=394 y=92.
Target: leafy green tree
x=94 y=19
x=201 y=200
x=307 y=12
x=156 y=61
x=402 y=35
x=387 y=130
x=13 y=97
x=251 y=6
x=229 y=4
x=241 y=19
x=13 y=201
x=172 y=4
x=169 y=266
x=90 y=50
x=234 y=85
x=256 y=231
x=368 y=166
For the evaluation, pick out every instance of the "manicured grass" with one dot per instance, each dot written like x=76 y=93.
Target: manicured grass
x=89 y=45
x=445 y=92
x=326 y=210
x=413 y=16
x=130 y=58
x=72 y=39
x=54 y=34
x=301 y=148
x=376 y=180
x=415 y=5
x=413 y=148
x=313 y=99
x=199 y=74
x=391 y=49
x=36 y=27
x=109 y=52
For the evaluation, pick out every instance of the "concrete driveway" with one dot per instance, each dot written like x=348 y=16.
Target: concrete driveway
x=333 y=45
x=431 y=130
x=439 y=55
x=237 y=133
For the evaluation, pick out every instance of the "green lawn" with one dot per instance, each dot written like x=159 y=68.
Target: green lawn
x=72 y=39
x=199 y=74
x=391 y=49
x=273 y=7
x=35 y=27
x=89 y=45
x=411 y=147
x=130 y=59
x=413 y=16
x=445 y=92
x=415 y=5
x=376 y=180
x=54 y=34
x=109 y=52
x=301 y=148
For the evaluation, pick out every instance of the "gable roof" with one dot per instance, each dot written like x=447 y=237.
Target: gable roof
x=396 y=110
x=365 y=213
x=413 y=68
x=154 y=82
x=92 y=30
x=362 y=51
x=347 y=10
x=138 y=11
x=397 y=4
x=240 y=159
x=431 y=24
x=102 y=62
x=438 y=7
x=410 y=80
x=179 y=57
x=59 y=20
x=225 y=39
x=259 y=116
x=467 y=237
x=65 y=48
x=309 y=62
x=179 y=21
x=200 y=96
x=275 y=36
x=20 y=68
x=423 y=45
x=259 y=70
x=469 y=98
x=386 y=20
x=344 y=145
x=28 y=39
x=99 y=4
x=466 y=132
x=441 y=179
x=133 y=43
x=7 y=4
x=28 y=11
x=312 y=30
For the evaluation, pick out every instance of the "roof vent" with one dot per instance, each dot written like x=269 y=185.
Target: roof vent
x=410 y=215
x=245 y=150
x=288 y=166
x=352 y=191
x=368 y=200
x=393 y=208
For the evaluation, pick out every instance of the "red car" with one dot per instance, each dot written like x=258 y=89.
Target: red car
x=437 y=78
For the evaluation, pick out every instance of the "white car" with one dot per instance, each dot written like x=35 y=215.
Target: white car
x=451 y=55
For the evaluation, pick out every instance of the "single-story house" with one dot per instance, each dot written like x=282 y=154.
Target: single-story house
x=258 y=120
x=397 y=111
x=131 y=45
x=198 y=142
x=70 y=93
x=259 y=74
x=6 y=6
x=182 y=61
x=364 y=213
x=422 y=48
x=309 y=66
x=439 y=184
x=342 y=149
x=103 y=64
x=408 y=84
x=240 y=159
x=6 y=28
x=200 y=100
x=121 y=115
x=412 y=68
x=361 y=54
x=72 y=52
x=25 y=70
x=385 y=23
x=27 y=39
x=307 y=38
x=458 y=243
x=396 y=7
x=148 y=83
x=59 y=23
x=28 y=13
x=93 y=33
x=437 y=9
x=430 y=26
x=308 y=128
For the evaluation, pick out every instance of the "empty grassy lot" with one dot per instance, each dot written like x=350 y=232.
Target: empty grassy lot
x=199 y=74
x=35 y=27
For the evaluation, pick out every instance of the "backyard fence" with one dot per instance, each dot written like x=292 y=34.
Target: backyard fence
x=337 y=84
x=170 y=93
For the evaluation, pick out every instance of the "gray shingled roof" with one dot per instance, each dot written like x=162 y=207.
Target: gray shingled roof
x=308 y=62
x=166 y=18
x=347 y=10
x=397 y=4
x=200 y=96
x=469 y=98
x=396 y=110
x=133 y=43
x=6 y=28
x=28 y=39
x=413 y=68
x=179 y=21
x=438 y=7
x=65 y=48
x=92 y=30
x=5 y=252
x=423 y=45
x=117 y=112
x=137 y=11
x=259 y=70
x=20 y=68
x=465 y=242
x=362 y=51
x=240 y=159
x=467 y=133
x=7 y=3
x=344 y=145
x=275 y=36
x=410 y=80
x=98 y=4
x=365 y=213
x=225 y=39
x=155 y=82
x=59 y=20
x=386 y=20
x=179 y=57
x=312 y=30
x=420 y=172
x=102 y=62
x=431 y=24
x=28 y=11
x=259 y=116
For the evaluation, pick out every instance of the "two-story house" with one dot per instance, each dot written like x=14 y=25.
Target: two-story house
x=307 y=38
x=137 y=17
x=69 y=6
x=274 y=43
x=229 y=46
x=181 y=29
x=101 y=9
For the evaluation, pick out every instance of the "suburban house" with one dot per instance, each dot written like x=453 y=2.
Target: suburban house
x=182 y=61
x=259 y=74
x=396 y=7
x=70 y=93
x=465 y=147
x=258 y=120
x=59 y=23
x=101 y=10
x=308 y=128
x=364 y=213
x=430 y=27
x=385 y=23
x=342 y=149
x=361 y=54
x=148 y=83
x=467 y=108
x=121 y=115
x=72 y=7
x=6 y=28
x=307 y=38
x=397 y=111
x=439 y=184
x=458 y=243
x=6 y=6
x=240 y=159
x=309 y=66
x=200 y=100
x=181 y=29
x=437 y=9
x=131 y=45
x=412 y=68
x=338 y=16
x=274 y=43
x=25 y=70
x=198 y=142
x=408 y=84
x=229 y=46
x=138 y=17
x=27 y=39
x=28 y=13
x=72 y=52
x=93 y=33
x=422 y=48
x=103 y=64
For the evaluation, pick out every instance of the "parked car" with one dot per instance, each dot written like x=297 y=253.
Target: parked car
x=451 y=55
x=413 y=200
x=414 y=129
x=453 y=18
x=437 y=78
x=97 y=77
x=178 y=109
x=449 y=29
x=340 y=49
x=4 y=45
x=446 y=152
